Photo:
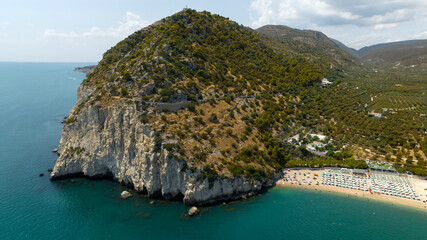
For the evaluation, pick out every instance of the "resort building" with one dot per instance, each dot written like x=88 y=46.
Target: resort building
x=325 y=82
x=381 y=166
x=377 y=115
x=294 y=139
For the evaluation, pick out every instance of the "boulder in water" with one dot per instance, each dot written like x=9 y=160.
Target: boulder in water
x=125 y=195
x=193 y=211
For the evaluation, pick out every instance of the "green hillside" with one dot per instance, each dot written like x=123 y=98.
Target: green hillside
x=224 y=98
x=413 y=52
x=204 y=49
x=312 y=45
x=224 y=91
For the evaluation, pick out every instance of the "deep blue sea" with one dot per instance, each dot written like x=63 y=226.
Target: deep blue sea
x=34 y=97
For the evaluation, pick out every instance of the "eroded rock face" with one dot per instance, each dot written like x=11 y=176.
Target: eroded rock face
x=111 y=141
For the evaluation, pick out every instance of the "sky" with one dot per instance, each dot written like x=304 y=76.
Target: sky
x=81 y=31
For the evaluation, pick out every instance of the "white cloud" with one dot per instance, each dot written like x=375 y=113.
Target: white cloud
x=385 y=26
x=5 y=24
x=131 y=24
x=337 y=12
x=357 y=23
x=421 y=35
x=264 y=8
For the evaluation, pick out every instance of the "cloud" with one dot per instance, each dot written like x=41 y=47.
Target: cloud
x=132 y=23
x=266 y=12
x=385 y=26
x=306 y=13
x=421 y=35
x=5 y=24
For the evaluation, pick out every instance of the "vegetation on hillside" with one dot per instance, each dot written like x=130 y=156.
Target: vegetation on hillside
x=311 y=45
x=342 y=112
x=407 y=53
x=234 y=85
x=244 y=93
x=190 y=51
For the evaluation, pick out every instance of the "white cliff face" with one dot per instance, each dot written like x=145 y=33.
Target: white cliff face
x=112 y=141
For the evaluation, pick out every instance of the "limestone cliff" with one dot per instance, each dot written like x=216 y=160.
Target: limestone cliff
x=111 y=141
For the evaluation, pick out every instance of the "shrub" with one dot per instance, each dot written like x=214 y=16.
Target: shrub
x=124 y=92
x=180 y=134
x=70 y=120
x=127 y=77
x=209 y=172
x=213 y=118
x=191 y=107
x=167 y=92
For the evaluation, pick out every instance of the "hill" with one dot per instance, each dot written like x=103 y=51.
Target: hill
x=413 y=52
x=189 y=107
x=312 y=45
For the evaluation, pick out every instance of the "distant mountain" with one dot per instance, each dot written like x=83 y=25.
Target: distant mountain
x=313 y=45
x=353 y=52
x=410 y=52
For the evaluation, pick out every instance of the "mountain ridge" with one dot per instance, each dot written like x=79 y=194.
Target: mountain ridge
x=409 y=52
x=314 y=45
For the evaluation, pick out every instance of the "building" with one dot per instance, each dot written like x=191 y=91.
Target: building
x=325 y=81
x=320 y=136
x=294 y=139
x=377 y=115
x=318 y=144
x=360 y=172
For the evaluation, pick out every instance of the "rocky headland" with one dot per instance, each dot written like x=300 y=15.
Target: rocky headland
x=188 y=108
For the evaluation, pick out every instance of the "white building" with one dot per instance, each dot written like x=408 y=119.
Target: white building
x=320 y=136
x=377 y=115
x=325 y=81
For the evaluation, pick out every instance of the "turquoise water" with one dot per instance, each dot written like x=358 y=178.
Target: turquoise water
x=33 y=100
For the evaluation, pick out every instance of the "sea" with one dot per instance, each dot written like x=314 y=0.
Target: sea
x=35 y=97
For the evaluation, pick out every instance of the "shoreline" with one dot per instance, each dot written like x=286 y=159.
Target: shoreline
x=393 y=200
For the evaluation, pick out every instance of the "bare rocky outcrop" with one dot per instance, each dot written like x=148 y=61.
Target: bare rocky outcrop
x=111 y=141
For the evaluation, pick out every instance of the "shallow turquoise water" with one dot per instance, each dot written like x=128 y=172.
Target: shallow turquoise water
x=33 y=100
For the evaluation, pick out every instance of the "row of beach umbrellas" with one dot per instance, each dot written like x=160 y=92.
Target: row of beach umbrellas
x=394 y=186
x=336 y=178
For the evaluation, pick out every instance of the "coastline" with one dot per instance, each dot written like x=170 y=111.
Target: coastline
x=357 y=193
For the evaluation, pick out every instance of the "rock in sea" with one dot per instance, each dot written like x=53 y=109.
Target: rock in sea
x=193 y=211
x=125 y=195
x=56 y=150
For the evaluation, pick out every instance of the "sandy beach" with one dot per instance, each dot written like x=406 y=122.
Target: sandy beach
x=418 y=184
